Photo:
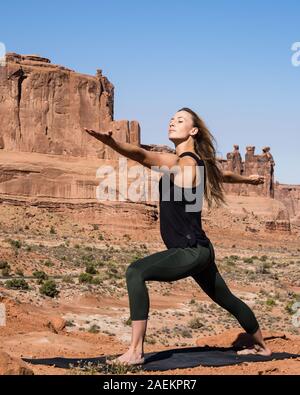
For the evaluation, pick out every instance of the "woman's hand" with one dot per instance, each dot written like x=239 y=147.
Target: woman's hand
x=104 y=137
x=256 y=179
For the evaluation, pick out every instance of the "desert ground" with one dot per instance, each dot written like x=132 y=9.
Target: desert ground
x=64 y=290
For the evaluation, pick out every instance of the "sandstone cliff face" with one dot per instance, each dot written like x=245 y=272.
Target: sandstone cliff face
x=289 y=195
x=43 y=108
x=262 y=164
x=44 y=154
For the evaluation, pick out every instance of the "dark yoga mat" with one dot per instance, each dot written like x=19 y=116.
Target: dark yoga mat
x=173 y=359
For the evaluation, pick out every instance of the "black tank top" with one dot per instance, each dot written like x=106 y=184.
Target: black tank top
x=178 y=227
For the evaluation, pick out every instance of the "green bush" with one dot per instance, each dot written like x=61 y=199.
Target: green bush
x=90 y=268
x=49 y=289
x=52 y=230
x=263 y=258
x=17 y=283
x=40 y=276
x=48 y=263
x=288 y=308
x=88 y=258
x=85 y=278
x=235 y=257
x=15 y=243
x=248 y=260
x=270 y=302
x=94 y=329
x=97 y=281
x=4 y=264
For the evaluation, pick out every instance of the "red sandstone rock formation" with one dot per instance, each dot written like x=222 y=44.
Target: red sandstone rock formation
x=46 y=155
x=254 y=164
x=290 y=196
x=43 y=108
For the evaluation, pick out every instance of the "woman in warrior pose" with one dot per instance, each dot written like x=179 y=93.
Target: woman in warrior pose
x=189 y=251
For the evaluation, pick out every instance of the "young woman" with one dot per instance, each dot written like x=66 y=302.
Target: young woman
x=189 y=251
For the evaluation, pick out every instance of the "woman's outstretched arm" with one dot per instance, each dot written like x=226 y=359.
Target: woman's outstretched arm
x=148 y=159
x=131 y=151
x=233 y=178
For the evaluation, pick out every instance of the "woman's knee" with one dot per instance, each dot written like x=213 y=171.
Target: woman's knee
x=132 y=273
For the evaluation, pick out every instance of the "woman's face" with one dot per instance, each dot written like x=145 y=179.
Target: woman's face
x=181 y=126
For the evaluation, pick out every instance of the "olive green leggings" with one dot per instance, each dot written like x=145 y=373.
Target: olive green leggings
x=177 y=263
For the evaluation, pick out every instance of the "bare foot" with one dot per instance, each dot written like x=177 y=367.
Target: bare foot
x=258 y=350
x=129 y=358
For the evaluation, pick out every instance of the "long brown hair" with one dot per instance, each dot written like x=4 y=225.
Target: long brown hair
x=204 y=147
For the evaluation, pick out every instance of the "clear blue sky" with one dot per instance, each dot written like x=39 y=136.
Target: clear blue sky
x=229 y=60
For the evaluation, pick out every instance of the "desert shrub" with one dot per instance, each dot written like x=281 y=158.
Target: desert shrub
x=235 y=257
x=263 y=268
x=85 y=278
x=97 y=281
x=40 y=276
x=48 y=263
x=15 y=243
x=288 y=308
x=49 y=289
x=17 y=283
x=182 y=331
x=88 y=258
x=94 y=329
x=90 y=268
x=128 y=321
x=270 y=302
x=4 y=264
x=195 y=323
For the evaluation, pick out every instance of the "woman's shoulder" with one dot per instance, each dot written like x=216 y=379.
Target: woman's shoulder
x=193 y=155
